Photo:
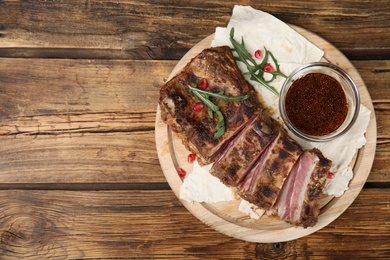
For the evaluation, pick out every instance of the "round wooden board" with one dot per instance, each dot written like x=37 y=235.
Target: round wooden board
x=225 y=216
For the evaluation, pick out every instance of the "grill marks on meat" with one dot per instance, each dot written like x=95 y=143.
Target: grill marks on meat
x=238 y=158
x=197 y=129
x=264 y=182
x=299 y=200
x=256 y=156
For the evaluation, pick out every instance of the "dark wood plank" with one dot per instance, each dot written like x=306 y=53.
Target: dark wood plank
x=44 y=86
x=145 y=224
x=102 y=157
x=79 y=173
x=79 y=121
x=128 y=157
x=165 y=30
x=39 y=87
x=376 y=75
x=92 y=121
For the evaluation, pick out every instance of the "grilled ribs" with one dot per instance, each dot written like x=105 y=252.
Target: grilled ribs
x=218 y=67
x=255 y=156
x=265 y=180
x=298 y=202
x=244 y=150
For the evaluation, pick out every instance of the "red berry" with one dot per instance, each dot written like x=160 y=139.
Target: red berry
x=268 y=67
x=191 y=158
x=181 y=172
x=203 y=84
x=198 y=107
x=330 y=175
x=258 y=54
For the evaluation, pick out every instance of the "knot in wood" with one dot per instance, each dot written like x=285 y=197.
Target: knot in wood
x=272 y=250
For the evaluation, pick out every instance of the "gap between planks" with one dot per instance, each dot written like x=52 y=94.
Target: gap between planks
x=142 y=53
x=85 y=186
x=122 y=186
x=150 y=53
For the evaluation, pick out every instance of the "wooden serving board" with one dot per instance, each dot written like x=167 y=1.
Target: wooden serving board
x=225 y=216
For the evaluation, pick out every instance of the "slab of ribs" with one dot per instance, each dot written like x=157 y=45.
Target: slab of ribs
x=255 y=156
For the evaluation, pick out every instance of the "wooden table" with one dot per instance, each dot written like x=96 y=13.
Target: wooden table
x=79 y=172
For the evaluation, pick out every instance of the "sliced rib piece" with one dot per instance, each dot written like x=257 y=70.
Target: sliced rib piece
x=218 y=67
x=263 y=183
x=240 y=155
x=299 y=201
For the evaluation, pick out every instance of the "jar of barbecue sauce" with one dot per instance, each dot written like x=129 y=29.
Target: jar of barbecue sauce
x=319 y=102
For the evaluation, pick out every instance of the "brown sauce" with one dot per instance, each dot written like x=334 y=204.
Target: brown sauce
x=316 y=104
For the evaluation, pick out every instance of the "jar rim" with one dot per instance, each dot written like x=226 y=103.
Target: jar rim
x=305 y=70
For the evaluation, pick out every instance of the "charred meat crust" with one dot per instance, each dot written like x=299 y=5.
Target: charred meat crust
x=273 y=173
x=308 y=216
x=218 y=67
x=311 y=207
x=233 y=168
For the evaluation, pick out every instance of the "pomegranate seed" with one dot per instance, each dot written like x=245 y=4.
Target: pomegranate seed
x=203 y=84
x=330 y=175
x=198 y=107
x=191 y=158
x=181 y=172
x=268 y=67
x=258 y=54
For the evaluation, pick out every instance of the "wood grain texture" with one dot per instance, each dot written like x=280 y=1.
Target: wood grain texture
x=45 y=86
x=79 y=121
x=167 y=29
x=376 y=75
x=77 y=114
x=62 y=105
x=153 y=224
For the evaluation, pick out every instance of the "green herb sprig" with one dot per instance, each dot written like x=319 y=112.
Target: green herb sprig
x=255 y=70
x=212 y=107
